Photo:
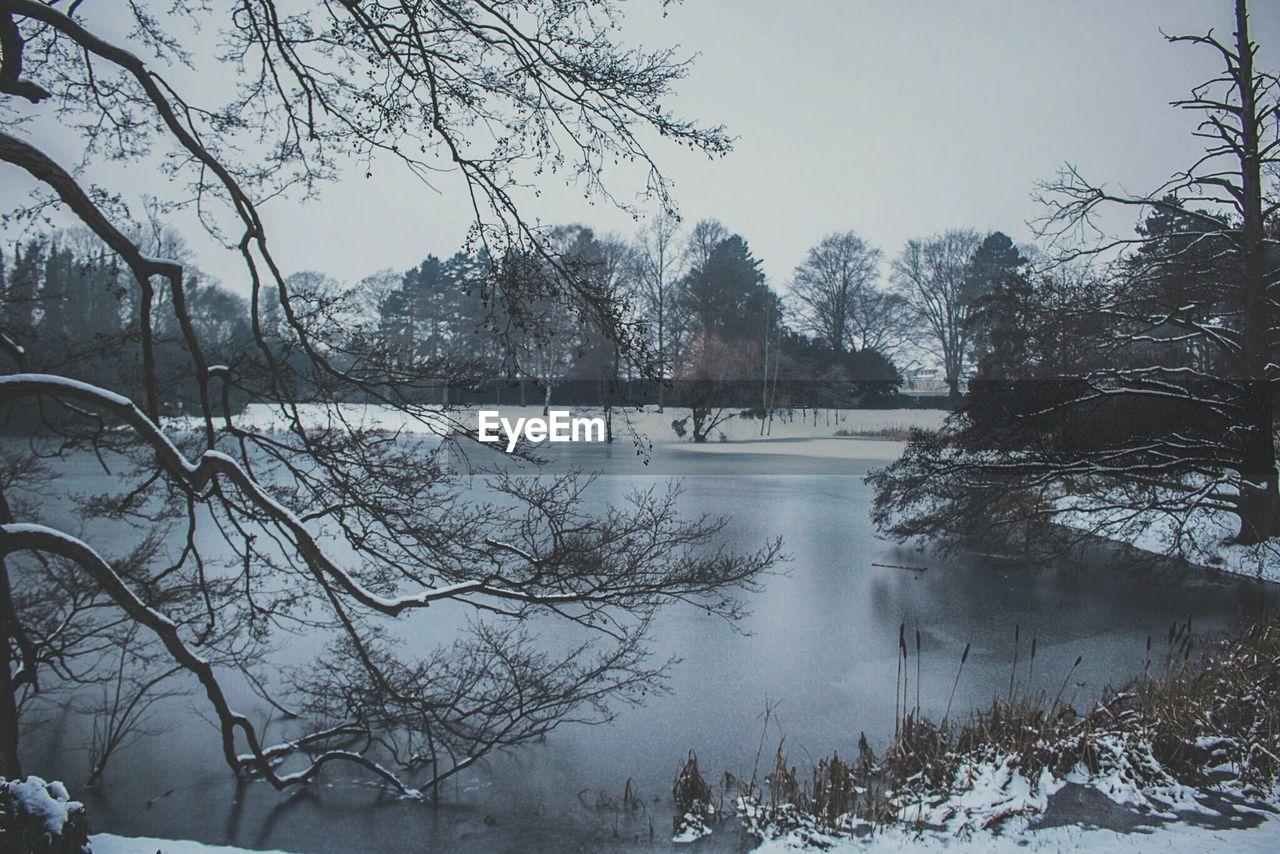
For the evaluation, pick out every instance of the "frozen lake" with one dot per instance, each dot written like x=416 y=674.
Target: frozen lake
x=820 y=645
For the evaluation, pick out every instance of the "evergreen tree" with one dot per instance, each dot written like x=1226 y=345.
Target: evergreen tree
x=22 y=294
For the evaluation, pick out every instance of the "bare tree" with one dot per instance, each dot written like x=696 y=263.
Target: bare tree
x=1138 y=397
x=660 y=267
x=933 y=275
x=711 y=376
x=703 y=238
x=836 y=292
x=1225 y=250
x=255 y=513
x=882 y=320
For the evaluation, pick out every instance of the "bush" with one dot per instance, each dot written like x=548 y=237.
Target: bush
x=40 y=818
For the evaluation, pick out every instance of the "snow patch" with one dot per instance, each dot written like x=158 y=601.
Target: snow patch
x=1201 y=537
x=45 y=806
x=109 y=843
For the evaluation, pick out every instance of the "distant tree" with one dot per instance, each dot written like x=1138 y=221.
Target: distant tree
x=612 y=263
x=934 y=276
x=995 y=267
x=66 y=294
x=834 y=285
x=659 y=265
x=22 y=293
x=711 y=382
x=727 y=294
x=814 y=375
x=547 y=342
x=882 y=321
x=703 y=238
x=397 y=319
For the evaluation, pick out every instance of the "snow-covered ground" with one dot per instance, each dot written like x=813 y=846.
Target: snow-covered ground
x=109 y=843
x=1201 y=537
x=996 y=808
x=1174 y=837
x=877 y=450
x=654 y=425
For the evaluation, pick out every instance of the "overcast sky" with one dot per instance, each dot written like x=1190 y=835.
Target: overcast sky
x=892 y=119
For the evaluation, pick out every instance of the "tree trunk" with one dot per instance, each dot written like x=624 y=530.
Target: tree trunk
x=1259 y=512
x=1259 y=507
x=607 y=397
x=546 y=400
x=699 y=416
x=662 y=354
x=10 y=765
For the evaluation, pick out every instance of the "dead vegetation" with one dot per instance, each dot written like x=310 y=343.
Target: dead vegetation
x=693 y=799
x=1196 y=719
x=894 y=433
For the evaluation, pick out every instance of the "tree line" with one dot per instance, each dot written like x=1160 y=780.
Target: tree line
x=68 y=303
x=707 y=329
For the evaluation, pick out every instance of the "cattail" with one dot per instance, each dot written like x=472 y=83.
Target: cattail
x=1031 y=662
x=964 y=656
x=1017 y=633
x=917 y=669
x=1079 y=658
x=897 y=680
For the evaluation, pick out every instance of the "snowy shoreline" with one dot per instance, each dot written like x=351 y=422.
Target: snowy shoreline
x=1264 y=837
x=1202 y=539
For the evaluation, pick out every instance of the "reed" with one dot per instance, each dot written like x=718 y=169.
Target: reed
x=1219 y=711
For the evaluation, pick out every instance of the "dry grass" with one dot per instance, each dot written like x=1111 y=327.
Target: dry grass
x=692 y=795
x=896 y=433
x=1204 y=718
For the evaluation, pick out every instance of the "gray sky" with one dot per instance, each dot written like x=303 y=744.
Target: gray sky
x=895 y=120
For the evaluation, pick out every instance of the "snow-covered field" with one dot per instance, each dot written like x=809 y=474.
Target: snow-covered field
x=877 y=450
x=655 y=425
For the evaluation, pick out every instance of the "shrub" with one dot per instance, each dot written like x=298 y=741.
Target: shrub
x=40 y=818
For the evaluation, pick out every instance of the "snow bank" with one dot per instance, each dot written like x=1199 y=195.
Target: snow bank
x=995 y=807
x=108 y=843
x=1162 y=838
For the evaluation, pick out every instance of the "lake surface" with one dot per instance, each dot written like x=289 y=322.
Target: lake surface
x=820 y=648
